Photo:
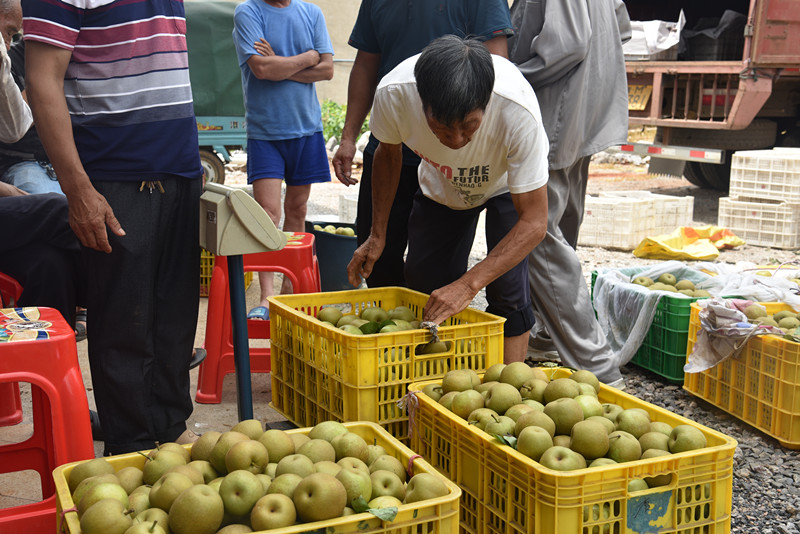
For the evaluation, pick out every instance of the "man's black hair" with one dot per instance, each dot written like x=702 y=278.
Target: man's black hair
x=454 y=76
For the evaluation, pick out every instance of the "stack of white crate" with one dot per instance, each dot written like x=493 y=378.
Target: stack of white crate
x=764 y=203
x=622 y=219
x=348 y=207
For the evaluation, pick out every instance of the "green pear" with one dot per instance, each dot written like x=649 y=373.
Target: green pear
x=424 y=486
x=252 y=428
x=327 y=430
x=560 y=388
x=104 y=490
x=516 y=374
x=319 y=497
x=350 y=444
x=167 y=488
x=96 y=466
x=589 y=439
x=202 y=447
x=130 y=478
x=278 y=444
x=162 y=462
x=284 y=484
x=198 y=510
x=221 y=448
x=106 y=516
x=87 y=483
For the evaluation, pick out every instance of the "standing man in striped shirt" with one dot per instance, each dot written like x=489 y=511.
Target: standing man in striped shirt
x=108 y=82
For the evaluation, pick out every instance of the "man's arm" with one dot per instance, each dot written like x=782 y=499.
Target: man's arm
x=278 y=68
x=319 y=72
x=523 y=237
x=15 y=115
x=89 y=213
x=385 y=177
x=498 y=46
x=360 y=92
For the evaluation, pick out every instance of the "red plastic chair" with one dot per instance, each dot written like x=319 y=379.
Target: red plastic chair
x=10 y=401
x=38 y=346
x=298 y=262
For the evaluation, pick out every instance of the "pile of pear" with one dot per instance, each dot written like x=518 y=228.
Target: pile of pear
x=371 y=320
x=786 y=320
x=338 y=230
x=668 y=282
x=560 y=423
x=376 y=320
x=246 y=480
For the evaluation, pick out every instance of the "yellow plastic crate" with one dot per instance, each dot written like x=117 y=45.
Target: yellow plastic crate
x=760 y=386
x=207 y=269
x=320 y=372
x=505 y=492
x=434 y=516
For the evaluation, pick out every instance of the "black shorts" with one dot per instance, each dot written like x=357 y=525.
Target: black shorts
x=439 y=242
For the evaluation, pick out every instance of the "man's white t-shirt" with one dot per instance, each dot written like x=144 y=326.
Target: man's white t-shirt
x=508 y=152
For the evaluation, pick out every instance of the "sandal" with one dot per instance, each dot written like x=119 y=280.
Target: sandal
x=80 y=325
x=259 y=312
x=198 y=355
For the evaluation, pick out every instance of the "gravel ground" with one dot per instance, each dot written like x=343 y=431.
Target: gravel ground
x=766 y=485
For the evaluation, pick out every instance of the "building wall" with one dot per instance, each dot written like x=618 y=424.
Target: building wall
x=340 y=16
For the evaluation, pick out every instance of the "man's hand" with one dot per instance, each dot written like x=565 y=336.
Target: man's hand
x=89 y=214
x=343 y=162
x=263 y=47
x=8 y=190
x=447 y=301
x=364 y=259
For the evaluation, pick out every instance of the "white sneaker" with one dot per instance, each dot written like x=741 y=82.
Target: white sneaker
x=618 y=384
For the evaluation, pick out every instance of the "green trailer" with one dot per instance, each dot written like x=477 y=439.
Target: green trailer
x=216 y=83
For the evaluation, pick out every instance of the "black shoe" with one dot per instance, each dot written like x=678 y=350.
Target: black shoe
x=97 y=430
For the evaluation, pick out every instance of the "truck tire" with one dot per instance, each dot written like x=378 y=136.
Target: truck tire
x=694 y=175
x=213 y=167
x=718 y=176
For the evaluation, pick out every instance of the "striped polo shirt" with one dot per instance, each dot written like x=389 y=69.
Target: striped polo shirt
x=127 y=84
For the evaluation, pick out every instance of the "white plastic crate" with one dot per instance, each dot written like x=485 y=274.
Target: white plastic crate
x=766 y=174
x=767 y=224
x=348 y=207
x=615 y=222
x=668 y=212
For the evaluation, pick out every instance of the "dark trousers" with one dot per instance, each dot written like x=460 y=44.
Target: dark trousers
x=440 y=240
x=40 y=251
x=143 y=301
x=388 y=270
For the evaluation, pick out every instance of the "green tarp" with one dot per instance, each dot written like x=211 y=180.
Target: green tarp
x=213 y=66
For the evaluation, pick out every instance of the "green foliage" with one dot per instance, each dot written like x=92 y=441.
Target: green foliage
x=333 y=115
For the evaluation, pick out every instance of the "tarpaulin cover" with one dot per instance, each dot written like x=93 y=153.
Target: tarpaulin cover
x=687 y=243
x=213 y=66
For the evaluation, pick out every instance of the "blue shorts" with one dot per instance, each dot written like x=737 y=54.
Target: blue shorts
x=299 y=161
x=439 y=243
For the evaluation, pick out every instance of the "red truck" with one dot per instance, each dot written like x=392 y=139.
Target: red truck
x=740 y=91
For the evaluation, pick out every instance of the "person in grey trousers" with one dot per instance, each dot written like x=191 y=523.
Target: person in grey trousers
x=570 y=51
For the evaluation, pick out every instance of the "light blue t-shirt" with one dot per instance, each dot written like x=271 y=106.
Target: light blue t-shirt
x=284 y=109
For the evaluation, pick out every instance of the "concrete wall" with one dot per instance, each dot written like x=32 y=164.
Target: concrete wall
x=340 y=16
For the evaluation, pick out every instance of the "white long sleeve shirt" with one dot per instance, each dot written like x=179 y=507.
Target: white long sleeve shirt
x=571 y=53
x=15 y=115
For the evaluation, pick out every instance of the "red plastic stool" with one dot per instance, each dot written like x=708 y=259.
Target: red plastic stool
x=297 y=261
x=38 y=346
x=10 y=402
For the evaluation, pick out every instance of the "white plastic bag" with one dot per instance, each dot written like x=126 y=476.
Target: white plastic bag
x=625 y=311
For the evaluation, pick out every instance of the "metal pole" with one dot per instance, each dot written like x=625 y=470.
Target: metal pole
x=241 y=347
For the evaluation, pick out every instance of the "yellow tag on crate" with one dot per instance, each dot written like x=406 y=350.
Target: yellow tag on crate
x=638 y=96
